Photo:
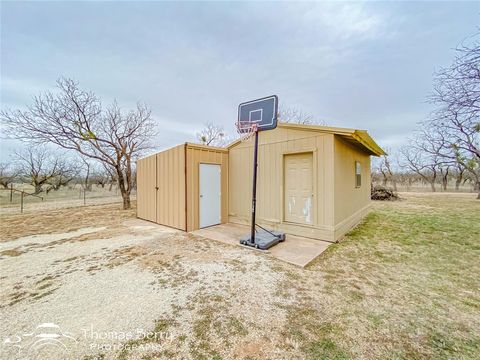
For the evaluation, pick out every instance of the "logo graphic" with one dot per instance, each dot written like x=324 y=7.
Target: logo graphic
x=47 y=338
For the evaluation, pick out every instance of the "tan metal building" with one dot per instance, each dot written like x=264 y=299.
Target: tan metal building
x=168 y=186
x=313 y=181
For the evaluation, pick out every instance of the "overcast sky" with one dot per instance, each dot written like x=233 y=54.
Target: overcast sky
x=361 y=65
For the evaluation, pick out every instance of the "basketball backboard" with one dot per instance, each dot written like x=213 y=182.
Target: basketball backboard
x=262 y=112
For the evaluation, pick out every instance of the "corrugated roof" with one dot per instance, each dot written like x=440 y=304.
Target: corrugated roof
x=358 y=137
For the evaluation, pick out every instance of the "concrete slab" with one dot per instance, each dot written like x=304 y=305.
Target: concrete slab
x=295 y=250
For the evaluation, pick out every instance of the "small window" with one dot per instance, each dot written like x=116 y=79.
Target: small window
x=358 y=174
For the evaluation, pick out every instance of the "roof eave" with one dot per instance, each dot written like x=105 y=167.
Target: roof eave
x=206 y=147
x=366 y=140
x=360 y=136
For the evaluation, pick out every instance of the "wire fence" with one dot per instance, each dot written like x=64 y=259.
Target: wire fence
x=21 y=198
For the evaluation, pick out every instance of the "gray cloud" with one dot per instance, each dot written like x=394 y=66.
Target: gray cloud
x=362 y=65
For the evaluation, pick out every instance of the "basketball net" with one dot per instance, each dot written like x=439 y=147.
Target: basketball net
x=246 y=130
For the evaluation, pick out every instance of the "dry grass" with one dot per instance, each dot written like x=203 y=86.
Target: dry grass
x=63 y=220
x=403 y=285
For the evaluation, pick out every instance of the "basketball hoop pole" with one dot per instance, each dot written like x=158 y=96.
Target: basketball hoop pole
x=254 y=191
x=254 y=116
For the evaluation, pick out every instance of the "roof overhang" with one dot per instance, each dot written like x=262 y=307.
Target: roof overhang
x=359 y=138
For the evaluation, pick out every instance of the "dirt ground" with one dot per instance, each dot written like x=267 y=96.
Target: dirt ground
x=96 y=283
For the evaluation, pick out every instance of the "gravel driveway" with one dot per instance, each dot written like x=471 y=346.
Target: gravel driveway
x=151 y=292
x=95 y=283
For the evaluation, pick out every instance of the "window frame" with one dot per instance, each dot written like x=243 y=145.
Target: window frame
x=358 y=174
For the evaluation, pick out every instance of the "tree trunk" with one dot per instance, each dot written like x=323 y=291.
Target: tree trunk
x=124 y=189
x=38 y=189
x=457 y=183
x=126 y=201
x=432 y=184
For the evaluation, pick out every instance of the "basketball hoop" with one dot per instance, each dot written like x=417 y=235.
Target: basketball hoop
x=246 y=130
x=254 y=116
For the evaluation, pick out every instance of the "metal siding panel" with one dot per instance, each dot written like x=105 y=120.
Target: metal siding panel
x=348 y=198
x=146 y=183
x=171 y=184
x=176 y=195
x=190 y=188
x=171 y=188
x=161 y=187
x=329 y=191
x=320 y=184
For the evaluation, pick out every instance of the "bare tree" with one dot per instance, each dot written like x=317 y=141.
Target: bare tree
x=407 y=178
x=38 y=166
x=438 y=143
x=385 y=167
x=67 y=171
x=472 y=173
x=74 y=119
x=444 y=173
x=457 y=97
x=100 y=176
x=87 y=168
x=8 y=174
x=213 y=135
x=112 y=176
x=292 y=114
x=424 y=164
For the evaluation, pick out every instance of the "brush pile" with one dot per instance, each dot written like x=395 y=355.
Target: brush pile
x=382 y=193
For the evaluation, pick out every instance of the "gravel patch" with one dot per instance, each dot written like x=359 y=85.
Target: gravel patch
x=45 y=239
x=103 y=297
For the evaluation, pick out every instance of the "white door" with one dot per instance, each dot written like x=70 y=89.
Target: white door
x=210 y=195
x=299 y=188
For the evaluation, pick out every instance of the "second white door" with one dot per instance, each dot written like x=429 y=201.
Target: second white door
x=210 y=195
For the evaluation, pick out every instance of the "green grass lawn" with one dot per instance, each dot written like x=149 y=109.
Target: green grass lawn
x=405 y=284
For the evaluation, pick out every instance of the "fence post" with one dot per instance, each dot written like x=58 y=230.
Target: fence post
x=11 y=192
x=84 y=197
x=21 y=203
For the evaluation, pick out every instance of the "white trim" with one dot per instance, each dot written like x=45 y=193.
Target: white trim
x=254 y=111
